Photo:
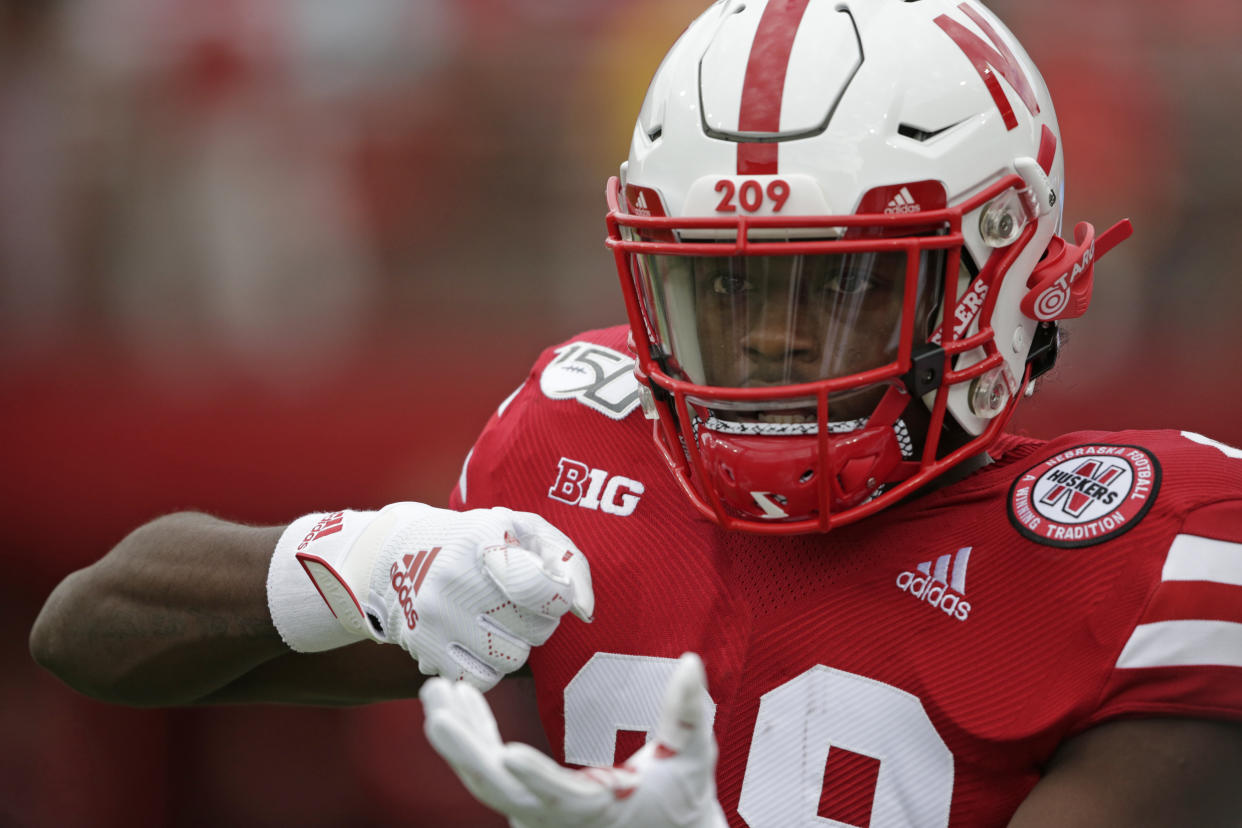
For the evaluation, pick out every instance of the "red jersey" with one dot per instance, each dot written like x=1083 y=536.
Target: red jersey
x=918 y=667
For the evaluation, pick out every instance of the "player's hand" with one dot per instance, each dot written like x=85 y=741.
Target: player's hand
x=669 y=782
x=466 y=593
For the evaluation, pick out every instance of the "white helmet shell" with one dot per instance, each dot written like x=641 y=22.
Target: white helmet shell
x=799 y=165
x=839 y=99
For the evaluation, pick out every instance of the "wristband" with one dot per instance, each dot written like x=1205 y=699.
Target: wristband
x=299 y=612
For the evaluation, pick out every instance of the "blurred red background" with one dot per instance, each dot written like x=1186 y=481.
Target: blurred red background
x=260 y=259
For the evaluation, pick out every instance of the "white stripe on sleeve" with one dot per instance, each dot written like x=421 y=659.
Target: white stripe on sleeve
x=1183 y=643
x=461 y=480
x=1192 y=558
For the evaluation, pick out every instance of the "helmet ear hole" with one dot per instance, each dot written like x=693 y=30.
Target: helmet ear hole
x=807 y=476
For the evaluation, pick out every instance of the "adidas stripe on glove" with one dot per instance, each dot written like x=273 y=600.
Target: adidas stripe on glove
x=466 y=593
x=668 y=783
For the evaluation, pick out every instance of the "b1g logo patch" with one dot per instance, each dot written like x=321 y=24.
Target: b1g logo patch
x=1084 y=495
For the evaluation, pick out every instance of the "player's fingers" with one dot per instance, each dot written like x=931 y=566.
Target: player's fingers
x=473 y=707
x=499 y=649
x=479 y=671
x=435 y=695
x=461 y=702
x=579 y=573
x=537 y=629
x=478 y=769
x=538 y=600
x=685 y=722
x=560 y=558
x=550 y=781
x=444 y=695
x=520 y=574
x=461 y=728
x=458 y=744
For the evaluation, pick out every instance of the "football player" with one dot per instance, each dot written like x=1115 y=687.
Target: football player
x=839 y=238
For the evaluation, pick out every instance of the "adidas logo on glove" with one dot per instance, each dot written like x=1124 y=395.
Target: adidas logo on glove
x=407 y=581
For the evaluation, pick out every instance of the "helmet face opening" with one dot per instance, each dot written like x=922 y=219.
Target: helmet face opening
x=779 y=349
x=764 y=321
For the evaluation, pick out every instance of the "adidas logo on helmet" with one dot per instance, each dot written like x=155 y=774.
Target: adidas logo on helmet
x=903 y=202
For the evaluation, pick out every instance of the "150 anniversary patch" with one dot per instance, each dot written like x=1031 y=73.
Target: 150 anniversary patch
x=1084 y=495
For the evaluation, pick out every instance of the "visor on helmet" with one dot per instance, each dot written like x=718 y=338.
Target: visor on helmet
x=762 y=321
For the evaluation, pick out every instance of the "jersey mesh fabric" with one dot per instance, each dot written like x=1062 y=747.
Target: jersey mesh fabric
x=1013 y=650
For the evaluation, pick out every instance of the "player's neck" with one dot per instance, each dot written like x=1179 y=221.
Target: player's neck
x=964 y=469
x=952 y=437
x=956 y=474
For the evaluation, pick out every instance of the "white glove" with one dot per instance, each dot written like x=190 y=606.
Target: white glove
x=466 y=593
x=668 y=782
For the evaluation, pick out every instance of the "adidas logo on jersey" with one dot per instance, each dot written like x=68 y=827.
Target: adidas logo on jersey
x=903 y=202
x=944 y=587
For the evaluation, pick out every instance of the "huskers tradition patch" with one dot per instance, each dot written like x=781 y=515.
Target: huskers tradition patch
x=1084 y=495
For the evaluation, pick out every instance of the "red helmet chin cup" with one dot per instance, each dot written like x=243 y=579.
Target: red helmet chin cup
x=752 y=472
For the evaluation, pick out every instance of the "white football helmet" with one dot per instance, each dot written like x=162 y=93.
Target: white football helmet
x=837 y=235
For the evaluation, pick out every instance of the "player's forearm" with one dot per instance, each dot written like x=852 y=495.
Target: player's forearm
x=191 y=609
x=175 y=612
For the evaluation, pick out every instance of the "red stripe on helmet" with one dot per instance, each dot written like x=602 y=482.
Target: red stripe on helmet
x=764 y=84
x=1047 y=150
x=756 y=159
x=990 y=62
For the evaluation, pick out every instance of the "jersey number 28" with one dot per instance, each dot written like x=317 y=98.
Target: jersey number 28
x=798 y=724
